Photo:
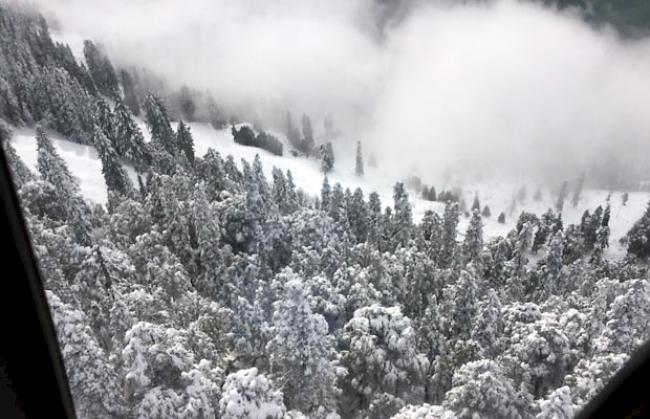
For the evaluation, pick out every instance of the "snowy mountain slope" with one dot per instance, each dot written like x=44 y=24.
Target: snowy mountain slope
x=85 y=165
x=82 y=160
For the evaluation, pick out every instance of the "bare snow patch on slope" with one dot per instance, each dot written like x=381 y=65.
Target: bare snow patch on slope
x=82 y=160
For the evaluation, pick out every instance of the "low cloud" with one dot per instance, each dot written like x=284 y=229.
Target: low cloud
x=431 y=87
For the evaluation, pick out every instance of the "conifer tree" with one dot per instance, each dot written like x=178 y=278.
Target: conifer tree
x=232 y=171
x=476 y=205
x=552 y=282
x=375 y=230
x=480 y=389
x=54 y=170
x=638 y=238
x=130 y=95
x=473 y=243
x=101 y=70
x=359 y=161
x=325 y=195
x=337 y=207
x=159 y=125
x=358 y=216
x=279 y=188
x=432 y=194
x=20 y=172
x=248 y=394
x=258 y=173
x=104 y=119
x=449 y=225
x=292 y=201
x=381 y=357
x=327 y=156
x=488 y=326
x=301 y=351
x=185 y=141
x=114 y=175
x=128 y=139
x=402 y=215
x=93 y=381
x=486 y=213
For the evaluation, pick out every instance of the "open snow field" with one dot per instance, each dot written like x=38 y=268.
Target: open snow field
x=84 y=163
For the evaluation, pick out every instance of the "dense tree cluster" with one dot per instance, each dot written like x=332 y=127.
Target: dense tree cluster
x=428 y=193
x=214 y=292
x=246 y=136
x=42 y=82
x=208 y=290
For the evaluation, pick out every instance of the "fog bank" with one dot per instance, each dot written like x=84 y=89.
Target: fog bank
x=431 y=87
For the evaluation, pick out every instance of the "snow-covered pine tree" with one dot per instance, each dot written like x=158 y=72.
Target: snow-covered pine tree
x=279 y=189
x=638 y=238
x=104 y=119
x=54 y=171
x=358 y=216
x=185 y=141
x=93 y=381
x=325 y=195
x=211 y=169
x=128 y=139
x=292 y=202
x=402 y=215
x=248 y=394
x=159 y=124
x=101 y=70
x=114 y=174
x=381 y=359
x=375 y=226
x=337 y=207
x=488 y=325
x=301 y=351
x=449 y=225
x=480 y=389
x=327 y=157
x=473 y=243
x=20 y=172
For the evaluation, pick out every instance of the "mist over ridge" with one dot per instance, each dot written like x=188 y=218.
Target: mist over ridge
x=503 y=87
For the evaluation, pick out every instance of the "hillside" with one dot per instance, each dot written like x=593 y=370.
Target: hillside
x=189 y=276
x=498 y=195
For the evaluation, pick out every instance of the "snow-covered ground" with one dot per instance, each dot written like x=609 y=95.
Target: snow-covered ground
x=82 y=160
x=498 y=195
